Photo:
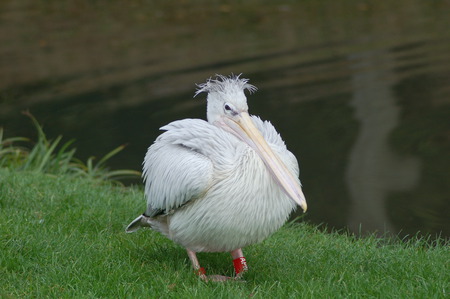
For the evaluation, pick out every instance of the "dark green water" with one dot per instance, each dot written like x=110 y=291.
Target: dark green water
x=359 y=91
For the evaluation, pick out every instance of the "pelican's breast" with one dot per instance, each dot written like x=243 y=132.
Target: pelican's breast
x=243 y=206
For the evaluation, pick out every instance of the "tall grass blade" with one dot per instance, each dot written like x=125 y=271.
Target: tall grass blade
x=110 y=155
x=45 y=162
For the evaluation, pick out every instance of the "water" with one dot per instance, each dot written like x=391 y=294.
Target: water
x=359 y=91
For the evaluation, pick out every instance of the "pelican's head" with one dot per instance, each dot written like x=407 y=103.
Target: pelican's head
x=226 y=97
x=228 y=109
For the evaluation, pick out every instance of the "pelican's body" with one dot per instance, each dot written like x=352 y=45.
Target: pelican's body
x=210 y=187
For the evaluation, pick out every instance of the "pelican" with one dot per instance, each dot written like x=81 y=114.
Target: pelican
x=222 y=184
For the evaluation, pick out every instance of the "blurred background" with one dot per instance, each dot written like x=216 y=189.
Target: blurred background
x=359 y=90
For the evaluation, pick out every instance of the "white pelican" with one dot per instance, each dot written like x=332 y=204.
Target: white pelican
x=219 y=185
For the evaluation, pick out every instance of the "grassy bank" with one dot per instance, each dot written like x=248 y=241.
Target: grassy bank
x=62 y=236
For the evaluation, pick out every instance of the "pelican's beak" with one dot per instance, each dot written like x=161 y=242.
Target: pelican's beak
x=245 y=129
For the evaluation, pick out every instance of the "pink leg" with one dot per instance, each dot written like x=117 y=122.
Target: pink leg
x=240 y=264
x=237 y=253
x=196 y=265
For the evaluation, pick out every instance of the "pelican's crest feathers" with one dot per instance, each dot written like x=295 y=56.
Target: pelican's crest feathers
x=225 y=84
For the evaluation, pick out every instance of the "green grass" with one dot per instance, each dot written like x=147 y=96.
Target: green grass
x=55 y=157
x=62 y=236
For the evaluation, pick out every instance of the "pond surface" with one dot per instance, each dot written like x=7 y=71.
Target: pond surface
x=359 y=91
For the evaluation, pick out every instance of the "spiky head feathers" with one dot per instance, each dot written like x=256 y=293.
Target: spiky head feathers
x=223 y=84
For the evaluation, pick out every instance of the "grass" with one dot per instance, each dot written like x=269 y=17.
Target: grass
x=62 y=235
x=55 y=157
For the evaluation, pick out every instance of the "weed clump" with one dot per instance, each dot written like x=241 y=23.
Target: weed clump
x=55 y=157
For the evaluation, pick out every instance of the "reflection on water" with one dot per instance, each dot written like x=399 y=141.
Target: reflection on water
x=374 y=169
x=359 y=91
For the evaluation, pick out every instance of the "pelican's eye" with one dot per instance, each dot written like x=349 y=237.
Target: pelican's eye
x=229 y=109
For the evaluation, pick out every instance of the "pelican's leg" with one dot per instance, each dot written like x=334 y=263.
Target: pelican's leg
x=200 y=271
x=239 y=262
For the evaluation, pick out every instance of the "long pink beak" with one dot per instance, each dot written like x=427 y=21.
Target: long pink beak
x=245 y=129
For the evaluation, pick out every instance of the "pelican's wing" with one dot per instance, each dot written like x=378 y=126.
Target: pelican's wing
x=175 y=170
x=277 y=144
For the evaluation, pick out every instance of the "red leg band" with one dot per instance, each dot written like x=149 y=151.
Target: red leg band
x=240 y=265
x=200 y=271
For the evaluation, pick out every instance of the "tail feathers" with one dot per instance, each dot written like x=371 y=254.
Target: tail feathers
x=141 y=221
